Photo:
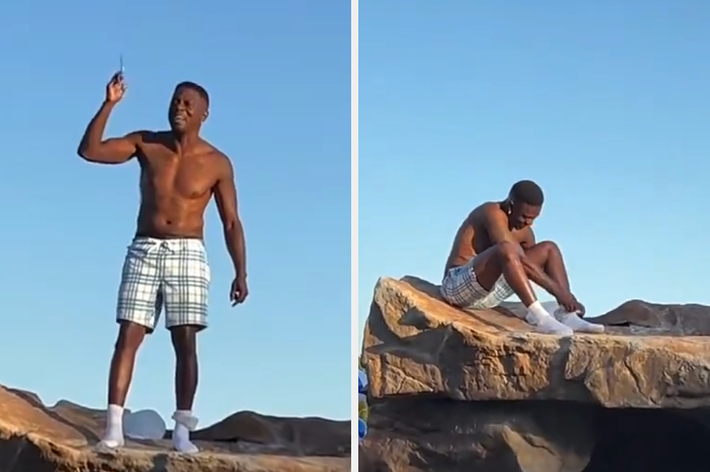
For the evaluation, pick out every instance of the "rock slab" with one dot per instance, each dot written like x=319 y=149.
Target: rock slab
x=415 y=344
x=37 y=438
x=458 y=391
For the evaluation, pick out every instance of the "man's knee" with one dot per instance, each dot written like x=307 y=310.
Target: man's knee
x=508 y=251
x=546 y=246
x=184 y=340
x=130 y=336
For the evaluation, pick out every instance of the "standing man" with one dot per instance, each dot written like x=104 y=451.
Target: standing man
x=495 y=255
x=166 y=264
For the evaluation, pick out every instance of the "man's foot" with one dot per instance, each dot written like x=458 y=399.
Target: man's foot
x=108 y=444
x=576 y=323
x=113 y=437
x=184 y=423
x=544 y=323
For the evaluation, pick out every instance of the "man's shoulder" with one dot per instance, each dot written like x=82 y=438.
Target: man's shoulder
x=146 y=136
x=221 y=162
x=484 y=210
x=213 y=151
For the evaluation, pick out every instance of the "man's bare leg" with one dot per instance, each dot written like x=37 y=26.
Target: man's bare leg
x=184 y=340
x=548 y=257
x=130 y=337
x=504 y=258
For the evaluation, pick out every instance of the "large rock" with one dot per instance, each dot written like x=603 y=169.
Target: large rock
x=37 y=438
x=457 y=391
x=298 y=436
x=415 y=343
x=450 y=436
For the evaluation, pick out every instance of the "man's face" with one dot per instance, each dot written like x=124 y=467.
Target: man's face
x=187 y=110
x=522 y=215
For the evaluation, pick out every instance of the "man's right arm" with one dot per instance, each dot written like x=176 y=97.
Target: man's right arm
x=94 y=148
x=497 y=228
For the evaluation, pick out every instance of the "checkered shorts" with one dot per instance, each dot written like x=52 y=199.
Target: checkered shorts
x=170 y=272
x=460 y=288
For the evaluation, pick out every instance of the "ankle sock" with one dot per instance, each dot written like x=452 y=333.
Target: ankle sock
x=543 y=322
x=113 y=436
x=576 y=323
x=184 y=423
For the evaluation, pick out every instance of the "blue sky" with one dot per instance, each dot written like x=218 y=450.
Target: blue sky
x=604 y=103
x=279 y=78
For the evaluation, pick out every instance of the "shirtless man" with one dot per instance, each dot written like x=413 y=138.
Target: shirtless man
x=166 y=264
x=495 y=255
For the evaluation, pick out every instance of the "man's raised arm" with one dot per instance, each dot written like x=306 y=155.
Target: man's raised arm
x=93 y=147
x=496 y=225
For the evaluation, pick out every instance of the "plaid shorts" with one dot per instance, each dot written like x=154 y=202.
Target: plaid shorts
x=460 y=288
x=170 y=272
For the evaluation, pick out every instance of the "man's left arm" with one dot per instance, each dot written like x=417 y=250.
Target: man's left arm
x=225 y=193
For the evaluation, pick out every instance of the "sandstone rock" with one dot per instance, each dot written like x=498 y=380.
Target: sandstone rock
x=652 y=318
x=416 y=344
x=37 y=438
x=625 y=439
x=300 y=436
x=411 y=435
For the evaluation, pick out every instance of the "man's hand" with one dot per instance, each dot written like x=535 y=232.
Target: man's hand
x=239 y=290
x=571 y=304
x=115 y=89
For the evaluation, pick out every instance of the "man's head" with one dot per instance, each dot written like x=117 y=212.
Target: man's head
x=189 y=108
x=524 y=204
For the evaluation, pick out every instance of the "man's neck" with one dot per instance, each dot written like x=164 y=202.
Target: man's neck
x=505 y=206
x=185 y=141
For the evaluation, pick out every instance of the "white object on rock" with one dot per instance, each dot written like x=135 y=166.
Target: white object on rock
x=144 y=424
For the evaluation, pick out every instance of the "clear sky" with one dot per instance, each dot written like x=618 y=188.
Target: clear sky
x=605 y=104
x=279 y=78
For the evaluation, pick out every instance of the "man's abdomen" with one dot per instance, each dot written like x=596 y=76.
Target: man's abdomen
x=174 y=220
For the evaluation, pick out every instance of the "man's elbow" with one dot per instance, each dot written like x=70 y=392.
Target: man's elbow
x=87 y=153
x=81 y=151
x=232 y=224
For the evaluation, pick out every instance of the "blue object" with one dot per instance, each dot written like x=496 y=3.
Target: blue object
x=361 y=428
x=362 y=393
x=361 y=382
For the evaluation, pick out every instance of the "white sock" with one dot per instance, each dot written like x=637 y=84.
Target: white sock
x=576 y=323
x=113 y=437
x=184 y=423
x=543 y=322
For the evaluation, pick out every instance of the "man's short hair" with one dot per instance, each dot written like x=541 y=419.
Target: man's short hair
x=527 y=191
x=197 y=88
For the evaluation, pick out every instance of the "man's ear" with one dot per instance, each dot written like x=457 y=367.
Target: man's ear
x=205 y=116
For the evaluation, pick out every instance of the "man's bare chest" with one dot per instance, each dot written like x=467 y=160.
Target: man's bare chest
x=189 y=176
x=482 y=240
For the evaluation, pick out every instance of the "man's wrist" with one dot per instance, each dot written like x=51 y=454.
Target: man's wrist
x=241 y=275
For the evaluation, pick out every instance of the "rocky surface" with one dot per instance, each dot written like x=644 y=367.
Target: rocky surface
x=453 y=390
x=37 y=438
x=415 y=344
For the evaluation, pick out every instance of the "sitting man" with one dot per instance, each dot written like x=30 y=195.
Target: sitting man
x=494 y=256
